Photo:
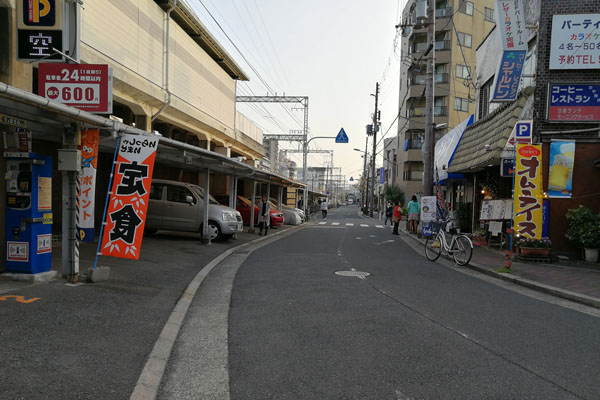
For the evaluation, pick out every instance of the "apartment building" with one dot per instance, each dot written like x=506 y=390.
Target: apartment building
x=460 y=26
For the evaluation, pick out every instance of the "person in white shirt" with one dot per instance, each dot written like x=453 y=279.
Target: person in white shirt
x=324 y=209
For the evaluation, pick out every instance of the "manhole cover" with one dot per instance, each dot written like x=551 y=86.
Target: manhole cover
x=357 y=274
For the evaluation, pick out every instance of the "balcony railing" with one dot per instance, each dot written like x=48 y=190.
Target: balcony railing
x=440 y=77
x=438 y=111
x=443 y=12
x=419 y=47
x=442 y=45
x=412 y=144
x=412 y=175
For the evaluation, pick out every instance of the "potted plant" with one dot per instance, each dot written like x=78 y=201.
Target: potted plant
x=534 y=247
x=591 y=243
x=584 y=231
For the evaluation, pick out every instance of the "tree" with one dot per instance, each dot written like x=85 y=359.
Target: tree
x=393 y=193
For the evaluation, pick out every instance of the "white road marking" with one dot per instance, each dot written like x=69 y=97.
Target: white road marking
x=388 y=241
x=379 y=226
x=358 y=238
x=348 y=224
x=364 y=225
x=335 y=223
x=372 y=236
x=322 y=223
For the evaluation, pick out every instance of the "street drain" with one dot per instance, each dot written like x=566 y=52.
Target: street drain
x=353 y=273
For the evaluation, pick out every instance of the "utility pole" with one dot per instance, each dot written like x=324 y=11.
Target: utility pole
x=375 y=128
x=428 y=154
x=365 y=186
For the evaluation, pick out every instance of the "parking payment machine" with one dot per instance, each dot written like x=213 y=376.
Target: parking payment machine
x=28 y=183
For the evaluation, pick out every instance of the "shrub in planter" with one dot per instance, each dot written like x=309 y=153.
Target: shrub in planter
x=583 y=223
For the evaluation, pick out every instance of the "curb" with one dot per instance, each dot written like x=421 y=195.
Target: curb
x=150 y=379
x=540 y=287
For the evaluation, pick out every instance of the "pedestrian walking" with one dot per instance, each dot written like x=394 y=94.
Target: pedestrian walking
x=389 y=212
x=324 y=209
x=413 y=214
x=264 y=215
x=396 y=217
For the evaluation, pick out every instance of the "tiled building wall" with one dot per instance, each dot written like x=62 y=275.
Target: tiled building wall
x=544 y=75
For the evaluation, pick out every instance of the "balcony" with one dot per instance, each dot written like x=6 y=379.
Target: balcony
x=412 y=175
x=443 y=12
x=412 y=144
x=438 y=111
x=419 y=47
x=440 y=77
x=442 y=45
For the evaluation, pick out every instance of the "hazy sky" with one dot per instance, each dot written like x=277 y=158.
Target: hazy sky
x=333 y=51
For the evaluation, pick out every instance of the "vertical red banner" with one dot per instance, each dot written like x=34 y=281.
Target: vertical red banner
x=128 y=202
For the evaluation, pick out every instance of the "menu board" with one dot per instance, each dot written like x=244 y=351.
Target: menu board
x=496 y=210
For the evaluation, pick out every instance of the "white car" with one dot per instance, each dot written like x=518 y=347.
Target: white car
x=291 y=216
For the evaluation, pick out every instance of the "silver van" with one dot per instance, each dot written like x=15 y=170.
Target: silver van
x=179 y=206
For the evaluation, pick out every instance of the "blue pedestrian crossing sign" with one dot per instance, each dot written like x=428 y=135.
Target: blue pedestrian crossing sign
x=351 y=179
x=341 y=137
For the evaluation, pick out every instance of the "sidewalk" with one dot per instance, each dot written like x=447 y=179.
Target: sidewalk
x=574 y=280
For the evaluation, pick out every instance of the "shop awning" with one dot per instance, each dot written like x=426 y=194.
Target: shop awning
x=45 y=118
x=445 y=148
x=483 y=142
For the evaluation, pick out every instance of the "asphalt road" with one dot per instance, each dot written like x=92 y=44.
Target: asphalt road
x=91 y=341
x=413 y=329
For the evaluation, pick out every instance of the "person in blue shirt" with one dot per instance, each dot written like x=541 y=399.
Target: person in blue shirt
x=413 y=214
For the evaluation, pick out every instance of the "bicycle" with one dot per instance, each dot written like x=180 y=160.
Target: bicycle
x=460 y=246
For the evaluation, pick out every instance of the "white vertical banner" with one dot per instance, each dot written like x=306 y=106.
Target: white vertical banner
x=512 y=25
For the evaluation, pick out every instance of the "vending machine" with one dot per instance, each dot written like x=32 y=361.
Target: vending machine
x=28 y=182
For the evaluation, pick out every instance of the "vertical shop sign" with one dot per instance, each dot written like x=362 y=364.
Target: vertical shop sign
x=560 y=178
x=128 y=202
x=575 y=42
x=527 y=203
x=87 y=191
x=39 y=29
x=513 y=39
x=511 y=22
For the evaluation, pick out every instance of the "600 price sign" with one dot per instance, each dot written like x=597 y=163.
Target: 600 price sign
x=87 y=87
x=69 y=93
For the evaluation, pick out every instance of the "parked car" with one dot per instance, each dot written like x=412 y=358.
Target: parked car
x=179 y=206
x=242 y=205
x=291 y=216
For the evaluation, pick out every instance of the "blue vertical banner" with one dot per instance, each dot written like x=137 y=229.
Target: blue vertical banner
x=508 y=77
x=381 y=175
x=545 y=217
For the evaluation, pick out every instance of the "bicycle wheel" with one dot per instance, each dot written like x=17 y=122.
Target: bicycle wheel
x=462 y=250
x=433 y=248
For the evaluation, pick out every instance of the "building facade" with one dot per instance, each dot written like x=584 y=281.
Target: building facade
x=459 y=27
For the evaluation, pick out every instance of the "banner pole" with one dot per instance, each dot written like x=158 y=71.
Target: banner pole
x=108 y=192
x=508 y=261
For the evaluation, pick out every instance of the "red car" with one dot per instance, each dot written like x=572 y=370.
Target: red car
x=242 y=204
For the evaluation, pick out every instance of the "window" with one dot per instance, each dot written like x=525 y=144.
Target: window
x=178 y=194
x=156 y=191
x=484 y=98
x=466 y=8
x=463 y=71
x=464 y=39
x=489 y=14
x=461 y=104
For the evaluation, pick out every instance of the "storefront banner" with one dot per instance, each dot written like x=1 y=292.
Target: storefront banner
x=128 y=202
x=87 y=184
x=508 y=75
x=575 y=42
x=574 y=102
x=560 y=178
x=527 y=203
x=511 y=22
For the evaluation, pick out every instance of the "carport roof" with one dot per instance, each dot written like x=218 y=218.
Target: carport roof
x=45 y=118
